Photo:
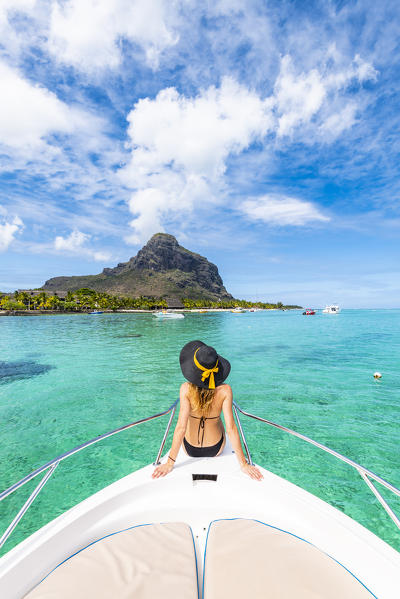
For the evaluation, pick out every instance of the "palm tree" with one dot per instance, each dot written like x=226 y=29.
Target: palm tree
x=41 y=299
x=24 y=297
x=52 y=303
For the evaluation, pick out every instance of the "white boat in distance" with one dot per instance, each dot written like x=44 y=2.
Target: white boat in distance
x=165 y=314
x=238 y=310
x=333 y=309
x=204 y=531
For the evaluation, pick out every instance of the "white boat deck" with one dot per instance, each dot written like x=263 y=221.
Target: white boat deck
x=138 y=499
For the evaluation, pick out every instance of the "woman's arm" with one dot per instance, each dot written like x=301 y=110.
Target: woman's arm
x=234 y=438
x=179 y=433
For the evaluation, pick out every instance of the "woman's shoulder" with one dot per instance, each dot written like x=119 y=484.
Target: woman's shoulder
x=184 y=389
x=224 y=391
x=225 y=387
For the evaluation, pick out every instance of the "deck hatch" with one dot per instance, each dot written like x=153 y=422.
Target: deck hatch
x=212 y=477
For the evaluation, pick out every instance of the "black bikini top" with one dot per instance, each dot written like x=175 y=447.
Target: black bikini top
x=201 y=426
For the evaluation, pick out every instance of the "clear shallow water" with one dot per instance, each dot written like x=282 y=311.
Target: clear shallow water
x=66 y=379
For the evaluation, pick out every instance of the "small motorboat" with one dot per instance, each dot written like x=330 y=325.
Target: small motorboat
x=309 y=312
x=333 y=309
x=95 y=312
x=238 y=310
x=165 y=314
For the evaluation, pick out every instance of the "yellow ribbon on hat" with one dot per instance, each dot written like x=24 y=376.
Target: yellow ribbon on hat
x=207 y=372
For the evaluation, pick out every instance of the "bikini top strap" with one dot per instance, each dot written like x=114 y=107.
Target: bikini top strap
x=204 y=417
x=201 y=426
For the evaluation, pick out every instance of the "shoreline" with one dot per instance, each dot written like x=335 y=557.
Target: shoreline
x=127 y=311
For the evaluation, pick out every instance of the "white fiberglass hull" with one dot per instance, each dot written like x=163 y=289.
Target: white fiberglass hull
x=138 y=499
x=168 y=315
x=331 y=310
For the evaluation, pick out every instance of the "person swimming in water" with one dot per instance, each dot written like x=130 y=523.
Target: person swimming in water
x=202 y=399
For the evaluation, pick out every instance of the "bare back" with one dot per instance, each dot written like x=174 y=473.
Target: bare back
x=210 y=430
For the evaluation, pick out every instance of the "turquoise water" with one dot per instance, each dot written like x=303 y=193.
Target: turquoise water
x=65 y=379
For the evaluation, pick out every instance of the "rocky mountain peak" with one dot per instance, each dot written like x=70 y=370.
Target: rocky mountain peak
x=161 y=267
x=160 y=253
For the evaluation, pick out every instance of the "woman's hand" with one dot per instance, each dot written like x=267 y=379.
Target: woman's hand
x=162 y=470
x=252 y=471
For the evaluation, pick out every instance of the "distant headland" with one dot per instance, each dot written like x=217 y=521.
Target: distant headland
x=162 y=274
x=162 y=268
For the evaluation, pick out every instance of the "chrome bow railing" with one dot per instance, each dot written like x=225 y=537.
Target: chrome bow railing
x=52 y=465
x=365 y=474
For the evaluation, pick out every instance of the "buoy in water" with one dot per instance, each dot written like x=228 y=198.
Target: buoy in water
x=377 y=375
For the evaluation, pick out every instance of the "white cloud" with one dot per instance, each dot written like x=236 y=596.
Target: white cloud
x=197 y=134
x=72 y=243
x=225 y=7
x=280 y=210
x=15 y=6
x=147 y=203
x=8 y=231
x=75 y=244
x=338 y=122
x=12 y=7
x=180 y=147
x=16 y=33
x=88 y=34
x=29 y=113
x=358 y=69
x=317 y=95
x=298 y=97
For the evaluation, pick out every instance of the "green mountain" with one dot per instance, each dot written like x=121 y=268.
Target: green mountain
x=162 y=268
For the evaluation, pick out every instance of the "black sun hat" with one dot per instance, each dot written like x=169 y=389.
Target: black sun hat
x=202 y=366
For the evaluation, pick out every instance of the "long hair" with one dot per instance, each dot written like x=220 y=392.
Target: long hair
x=200 y=399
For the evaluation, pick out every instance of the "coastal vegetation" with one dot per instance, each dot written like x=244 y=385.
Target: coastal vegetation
x=82 y=300
x=86 y=300
x=233 y=303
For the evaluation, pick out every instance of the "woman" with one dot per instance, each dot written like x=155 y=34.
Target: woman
x=202 y=399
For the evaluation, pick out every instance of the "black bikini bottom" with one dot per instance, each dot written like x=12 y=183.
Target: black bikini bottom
x=203 y=452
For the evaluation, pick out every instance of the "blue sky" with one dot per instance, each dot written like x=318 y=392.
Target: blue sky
x=263 y=135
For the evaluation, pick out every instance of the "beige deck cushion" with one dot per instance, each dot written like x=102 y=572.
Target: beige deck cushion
x=145 y=562
x=247 y=559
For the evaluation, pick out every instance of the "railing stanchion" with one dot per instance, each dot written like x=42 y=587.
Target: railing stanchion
x=27 y=504
x=243 y=437
x=381 y=500
x=364 y=472
x=52 y=465
x=157 y=462
x=68 y=454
